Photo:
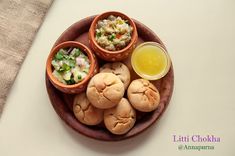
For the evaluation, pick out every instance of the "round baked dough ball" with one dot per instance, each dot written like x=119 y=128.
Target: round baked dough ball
x=143 y=95
x=105 y=90
x=118 y=69
x=120 y=119
x=85 y=112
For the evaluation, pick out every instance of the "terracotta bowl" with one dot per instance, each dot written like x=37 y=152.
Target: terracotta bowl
x=75 y=88
x=112 y=55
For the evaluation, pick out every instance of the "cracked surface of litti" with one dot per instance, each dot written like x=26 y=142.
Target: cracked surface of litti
x=120 y=119
x=85 y=112
x=105 y=90
x=143 y=95
x=119 y=69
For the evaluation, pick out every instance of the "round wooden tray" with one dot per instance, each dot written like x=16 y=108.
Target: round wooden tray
x=62 y=102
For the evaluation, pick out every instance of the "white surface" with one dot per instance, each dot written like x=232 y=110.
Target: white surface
x=200 y=38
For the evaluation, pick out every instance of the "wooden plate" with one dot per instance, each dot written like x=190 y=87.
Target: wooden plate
x=62 y=102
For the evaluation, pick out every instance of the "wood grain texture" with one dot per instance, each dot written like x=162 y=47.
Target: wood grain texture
x=62 y=103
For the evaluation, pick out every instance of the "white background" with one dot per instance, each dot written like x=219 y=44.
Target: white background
x=200 y=37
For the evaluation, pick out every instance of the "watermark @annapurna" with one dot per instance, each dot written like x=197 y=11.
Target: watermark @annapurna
x=195 y=147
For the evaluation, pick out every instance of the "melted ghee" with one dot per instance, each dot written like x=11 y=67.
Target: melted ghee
x=149 y=60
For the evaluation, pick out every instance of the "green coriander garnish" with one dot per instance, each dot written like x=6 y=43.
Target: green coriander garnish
x=111 y=37
x=59 y=55
x=75 y=52
x=71 y=65
x=79 y=77
x=98 y=34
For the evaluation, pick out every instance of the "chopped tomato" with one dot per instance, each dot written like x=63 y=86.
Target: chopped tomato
x=118 y=36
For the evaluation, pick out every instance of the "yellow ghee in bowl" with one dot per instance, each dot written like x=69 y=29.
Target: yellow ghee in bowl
x=150 y=61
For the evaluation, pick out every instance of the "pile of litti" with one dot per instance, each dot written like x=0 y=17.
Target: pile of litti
x=104 y=99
